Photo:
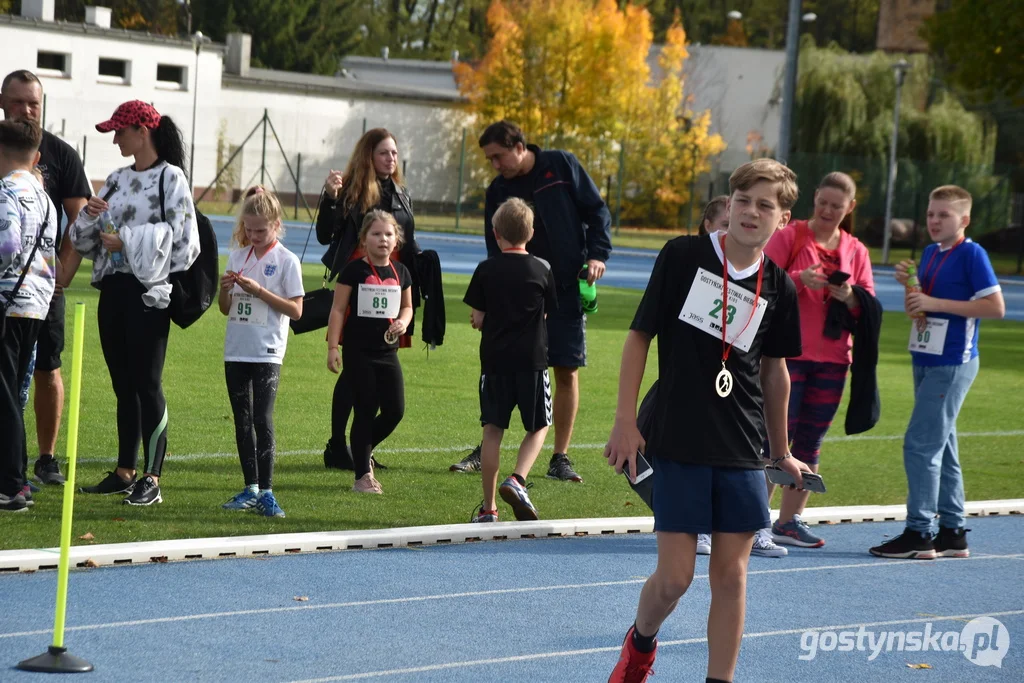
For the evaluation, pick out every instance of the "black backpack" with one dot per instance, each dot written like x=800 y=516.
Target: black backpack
x=194 y=289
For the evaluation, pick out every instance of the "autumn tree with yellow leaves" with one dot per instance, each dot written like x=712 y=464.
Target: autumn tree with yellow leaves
x=574 y=74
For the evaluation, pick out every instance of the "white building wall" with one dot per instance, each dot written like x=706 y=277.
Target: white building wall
x=77 y=102
x=738 y=86
x=322 y=127
x=325 y=129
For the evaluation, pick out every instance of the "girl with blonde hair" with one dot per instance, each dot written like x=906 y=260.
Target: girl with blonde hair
x=259 y=292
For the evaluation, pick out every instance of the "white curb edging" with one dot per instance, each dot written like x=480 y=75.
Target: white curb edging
x=279 y=544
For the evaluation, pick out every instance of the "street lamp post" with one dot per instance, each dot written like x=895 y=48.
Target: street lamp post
x=197 y=42
x=900 y=70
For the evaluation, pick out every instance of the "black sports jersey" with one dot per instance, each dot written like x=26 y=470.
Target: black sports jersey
x=683 y=308
x=514 y=290
x=375 y=301
x=63 y=175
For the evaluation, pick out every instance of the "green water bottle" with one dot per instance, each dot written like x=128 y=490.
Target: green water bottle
x=588 y=293
x=914 y=285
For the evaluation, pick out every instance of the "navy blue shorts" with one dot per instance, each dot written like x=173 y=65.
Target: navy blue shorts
x=701 y=499
x=567 y=331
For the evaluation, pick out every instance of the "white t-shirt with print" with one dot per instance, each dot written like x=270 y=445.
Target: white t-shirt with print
x=257 y=333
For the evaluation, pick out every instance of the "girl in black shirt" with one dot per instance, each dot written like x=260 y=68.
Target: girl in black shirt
x=372 y=180
x=373 y=308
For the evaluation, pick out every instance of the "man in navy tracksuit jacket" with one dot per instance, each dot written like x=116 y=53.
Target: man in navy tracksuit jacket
x=571 y=231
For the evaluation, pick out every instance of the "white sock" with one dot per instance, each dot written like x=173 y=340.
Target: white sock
x=253 y=489
x=264 y=491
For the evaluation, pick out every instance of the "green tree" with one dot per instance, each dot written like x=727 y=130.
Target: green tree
x=979 y=47
x=575 y=75
x=301 y=35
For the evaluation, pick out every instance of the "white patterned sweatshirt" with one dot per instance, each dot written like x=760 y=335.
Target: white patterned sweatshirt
x=153 y=248
x=23 y=208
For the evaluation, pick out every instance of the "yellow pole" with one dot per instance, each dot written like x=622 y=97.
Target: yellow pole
x=69 y=485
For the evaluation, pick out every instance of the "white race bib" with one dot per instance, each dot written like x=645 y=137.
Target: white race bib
x=930 y=340
x=705 y=310
x=379 y=301
x=247 y=309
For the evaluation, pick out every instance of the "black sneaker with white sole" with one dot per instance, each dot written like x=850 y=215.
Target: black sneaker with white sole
x=910 y=545
x=952 y=542
x=47 y=470
x=471 y=463
x=111 y=483
x=561 y=468
x=14 y=503
x=146 y=492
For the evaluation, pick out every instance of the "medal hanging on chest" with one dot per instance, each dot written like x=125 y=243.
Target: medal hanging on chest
x=390 y=338
x=723 y=380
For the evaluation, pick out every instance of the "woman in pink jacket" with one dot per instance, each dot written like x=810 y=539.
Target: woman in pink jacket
x=817 y=253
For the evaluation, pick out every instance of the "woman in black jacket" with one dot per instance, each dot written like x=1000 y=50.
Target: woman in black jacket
x=372 y=180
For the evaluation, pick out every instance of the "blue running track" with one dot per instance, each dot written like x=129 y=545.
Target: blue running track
x=541 y=610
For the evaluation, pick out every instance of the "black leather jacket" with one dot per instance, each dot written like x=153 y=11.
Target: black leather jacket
x=339 y=228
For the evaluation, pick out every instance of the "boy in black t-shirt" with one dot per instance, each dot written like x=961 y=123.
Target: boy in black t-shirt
x=726 y=317
x=510 y=295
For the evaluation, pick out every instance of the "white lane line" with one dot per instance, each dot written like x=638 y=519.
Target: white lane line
x=458 y=450
x=661 y=644
x=469 y=594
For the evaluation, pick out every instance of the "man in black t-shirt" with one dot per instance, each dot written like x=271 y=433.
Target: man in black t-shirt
x=726 y=318
x=571 y=227
x=21 y=97
x=510 y=295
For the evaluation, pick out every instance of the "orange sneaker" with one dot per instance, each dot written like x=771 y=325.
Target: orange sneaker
x=634 y=666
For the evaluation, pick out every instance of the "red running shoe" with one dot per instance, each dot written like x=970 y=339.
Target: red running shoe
x=634 y=666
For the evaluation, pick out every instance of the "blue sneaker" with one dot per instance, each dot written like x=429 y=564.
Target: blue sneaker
x=243 y=501
x=514 y=493
x=32 y=487
x=796 y=532
x=267 y=506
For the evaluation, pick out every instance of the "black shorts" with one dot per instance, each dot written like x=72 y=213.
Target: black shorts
x=51 y=337
x=567 y=331
x=530 y=390
x=703 y=499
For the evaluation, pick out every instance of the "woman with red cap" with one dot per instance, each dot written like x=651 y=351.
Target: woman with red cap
x=138 y=229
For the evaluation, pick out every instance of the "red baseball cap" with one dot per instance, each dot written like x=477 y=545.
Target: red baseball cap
x=134 y=113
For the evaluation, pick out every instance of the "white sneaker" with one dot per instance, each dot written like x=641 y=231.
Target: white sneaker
x=703 y=544
x=764 y=545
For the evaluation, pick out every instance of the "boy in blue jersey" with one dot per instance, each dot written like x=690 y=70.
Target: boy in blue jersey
x=958 y=289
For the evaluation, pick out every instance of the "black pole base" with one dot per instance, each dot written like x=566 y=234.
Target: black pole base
x=56 y=660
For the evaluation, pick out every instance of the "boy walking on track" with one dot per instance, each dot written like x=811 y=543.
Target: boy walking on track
x=957 y=289
x=726 y=319
x=511 y=294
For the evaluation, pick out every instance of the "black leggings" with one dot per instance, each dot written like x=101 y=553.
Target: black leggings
x=341 y=411
x=134 y=341
x=252 y=389
x=378 y=376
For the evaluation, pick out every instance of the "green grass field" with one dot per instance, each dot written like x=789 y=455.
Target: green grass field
x=441 y=424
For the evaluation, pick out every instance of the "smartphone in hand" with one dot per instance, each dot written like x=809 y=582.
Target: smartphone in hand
x=838 y=277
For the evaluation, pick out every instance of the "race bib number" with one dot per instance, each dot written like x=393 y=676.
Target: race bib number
x=246 y=309
x=932 y=339
x=705 y=309
x=379 y=301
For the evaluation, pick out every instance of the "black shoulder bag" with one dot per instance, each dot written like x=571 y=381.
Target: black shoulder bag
x=316 y=305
